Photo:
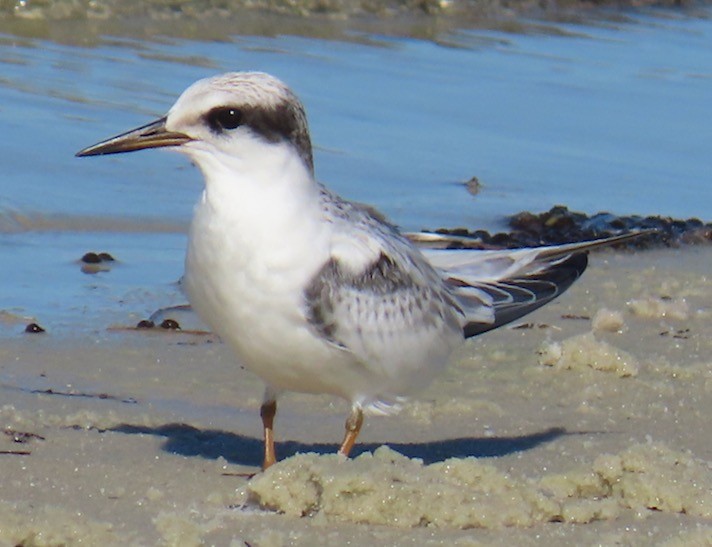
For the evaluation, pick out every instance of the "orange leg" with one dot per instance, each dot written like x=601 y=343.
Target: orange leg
x=353 y=426
x=267 y=412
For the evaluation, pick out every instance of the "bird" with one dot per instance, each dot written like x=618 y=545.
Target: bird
x=315 y=293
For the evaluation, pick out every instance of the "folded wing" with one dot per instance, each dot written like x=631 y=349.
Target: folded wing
x=512 y=283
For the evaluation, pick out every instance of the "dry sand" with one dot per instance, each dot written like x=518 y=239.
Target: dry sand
x=588 y=424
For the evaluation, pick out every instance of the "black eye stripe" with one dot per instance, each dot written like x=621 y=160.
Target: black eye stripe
x=224 y=118
x=273 y=123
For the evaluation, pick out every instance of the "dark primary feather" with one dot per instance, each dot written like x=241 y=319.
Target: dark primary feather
x=514 y=298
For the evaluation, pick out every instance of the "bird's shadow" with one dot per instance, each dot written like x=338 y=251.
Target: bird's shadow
x=187 y=440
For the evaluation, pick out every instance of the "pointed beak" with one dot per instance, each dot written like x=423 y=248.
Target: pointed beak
x=152 y=135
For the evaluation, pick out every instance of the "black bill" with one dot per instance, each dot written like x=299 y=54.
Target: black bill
x=152 y=135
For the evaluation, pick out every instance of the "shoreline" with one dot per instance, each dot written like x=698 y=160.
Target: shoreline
x=359 y=10
x=66 y=21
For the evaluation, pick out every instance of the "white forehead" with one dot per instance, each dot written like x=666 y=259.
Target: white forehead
x=232 y=88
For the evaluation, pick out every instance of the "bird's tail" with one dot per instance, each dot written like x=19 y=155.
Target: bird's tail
x=495 y=287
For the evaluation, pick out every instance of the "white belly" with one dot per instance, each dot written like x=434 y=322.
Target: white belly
x=246 y=280
x=253 y=299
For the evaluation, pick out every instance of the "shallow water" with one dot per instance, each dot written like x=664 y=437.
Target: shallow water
x=597 y=117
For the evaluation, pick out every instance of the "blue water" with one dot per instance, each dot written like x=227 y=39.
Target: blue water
x=601 y=117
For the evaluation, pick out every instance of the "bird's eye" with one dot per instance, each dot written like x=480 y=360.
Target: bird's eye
x=223 y=119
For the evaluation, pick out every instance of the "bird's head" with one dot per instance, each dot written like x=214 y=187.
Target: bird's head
x=238 y=116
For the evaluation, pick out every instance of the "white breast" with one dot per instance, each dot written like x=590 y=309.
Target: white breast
x=255 y=245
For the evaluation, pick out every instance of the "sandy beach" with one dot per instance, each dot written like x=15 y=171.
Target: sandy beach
x=587 y=423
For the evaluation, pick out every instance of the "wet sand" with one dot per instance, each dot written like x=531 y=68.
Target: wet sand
x=586 y=423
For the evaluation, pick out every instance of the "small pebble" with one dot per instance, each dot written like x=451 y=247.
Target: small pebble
x=91 y=258
x=145 y=324
x=96 y=258
x=170 y=324
x=94 y=263
x=473 y=186
x=34 y=328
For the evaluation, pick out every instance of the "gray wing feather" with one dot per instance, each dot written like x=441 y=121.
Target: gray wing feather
x=382 y=300
x=397 y=291
x=510 y=283
x=516 y=297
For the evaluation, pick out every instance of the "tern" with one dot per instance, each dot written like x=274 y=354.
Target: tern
x=315 y=293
